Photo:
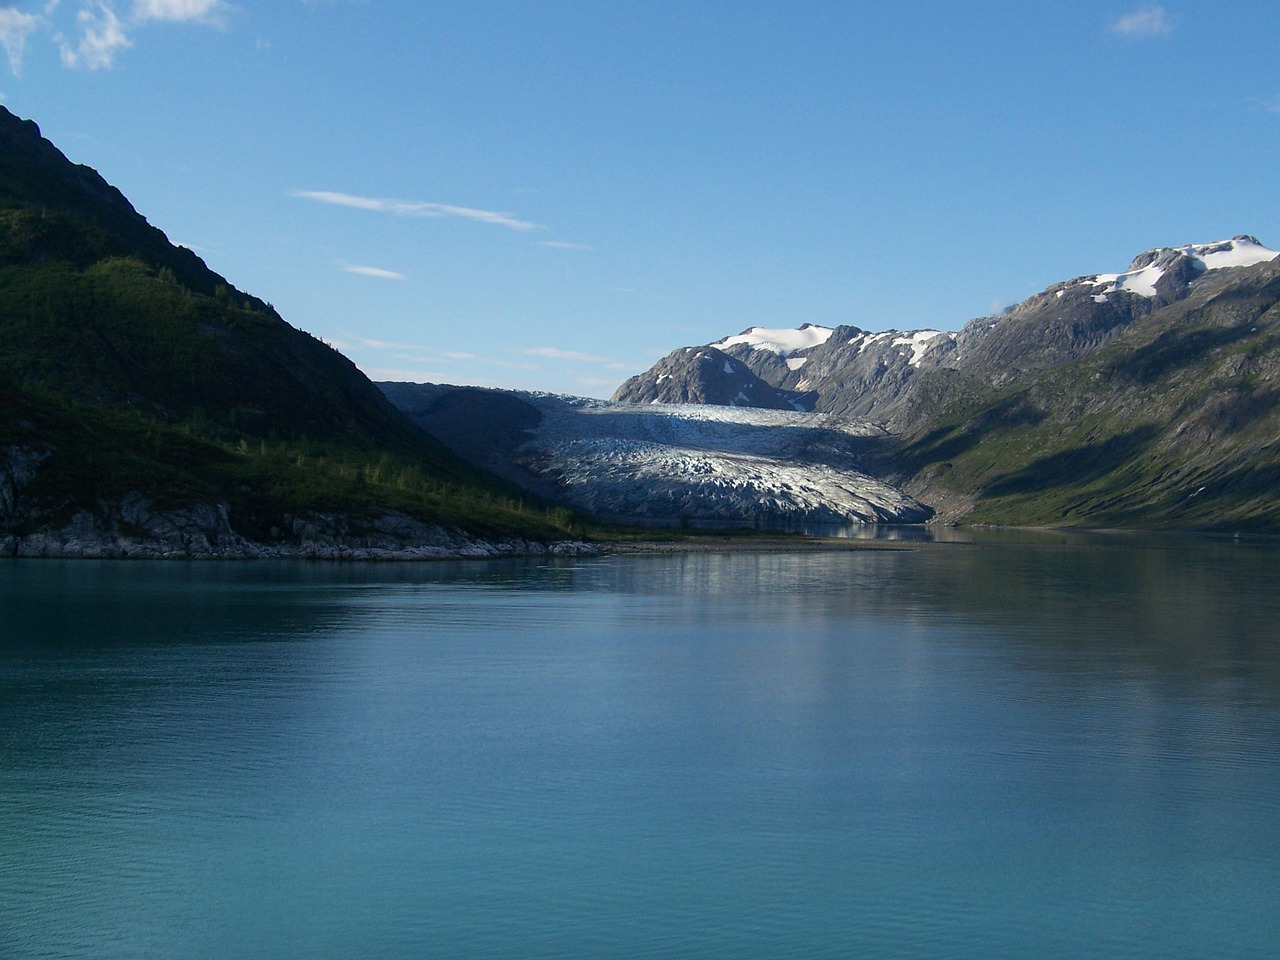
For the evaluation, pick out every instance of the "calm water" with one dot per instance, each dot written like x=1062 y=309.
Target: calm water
x=1058 y=748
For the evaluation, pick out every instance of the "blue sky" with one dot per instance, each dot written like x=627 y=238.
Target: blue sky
x=552 y=195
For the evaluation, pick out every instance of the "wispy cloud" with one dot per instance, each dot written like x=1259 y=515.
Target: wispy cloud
x=376 y=272
x=212 y=12
x=418 y=353
x=414 y=208
x=388 y=345
x=565 y=245
x=389 y=360
x=1149 y=21
x=573 y=356
x=102 y=35
x=455 y=356
x=1272 y=105
x=555 y=353
x=15 y=28
x=93 y=36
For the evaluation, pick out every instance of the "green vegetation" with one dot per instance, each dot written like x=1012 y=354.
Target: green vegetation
x=118 y=330
x=128 y=367
x=1174 y=425
x=95 y=453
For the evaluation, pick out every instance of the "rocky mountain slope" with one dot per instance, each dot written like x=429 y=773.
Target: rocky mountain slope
x=1147 y=398
x=1143 y=397
x=1175 y=421
x=148 y=406
x=897 y=377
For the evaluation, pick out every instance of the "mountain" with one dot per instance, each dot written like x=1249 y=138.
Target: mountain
x=100 y=307
x=1145 y=397
x=146 y=400
x=886 y=375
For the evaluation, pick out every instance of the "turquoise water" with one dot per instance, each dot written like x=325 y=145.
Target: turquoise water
x=1067 y=747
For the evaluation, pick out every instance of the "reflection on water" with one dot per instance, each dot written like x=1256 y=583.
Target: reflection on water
x=1046 y=745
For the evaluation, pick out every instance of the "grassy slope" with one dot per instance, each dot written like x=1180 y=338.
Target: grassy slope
x=1175 y=424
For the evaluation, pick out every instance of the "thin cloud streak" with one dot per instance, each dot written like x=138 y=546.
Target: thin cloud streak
x=418 y=353
x=414 y=208
x=574 y=356
x=387 y=345
x=1151 y=21
x=376 y=272
x=565 y=245
x=555 y=353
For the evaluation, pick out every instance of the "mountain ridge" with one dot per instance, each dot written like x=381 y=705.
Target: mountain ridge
x=849 y=370
x=1147 y=397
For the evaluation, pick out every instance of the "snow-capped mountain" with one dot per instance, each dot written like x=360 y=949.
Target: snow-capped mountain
x=1149 y=396
x=853 y=371
x=1148 y=271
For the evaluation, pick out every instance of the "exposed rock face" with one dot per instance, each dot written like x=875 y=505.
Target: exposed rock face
x=132 y=529
x=18 y=465
x=897 y=378
x=853 y=372
x=708 y=375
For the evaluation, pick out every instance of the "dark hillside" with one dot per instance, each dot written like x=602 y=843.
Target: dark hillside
x=35 y=174
x=130 y=372
x=99 y=306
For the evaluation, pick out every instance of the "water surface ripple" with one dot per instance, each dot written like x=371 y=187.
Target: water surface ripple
x=1053 y=746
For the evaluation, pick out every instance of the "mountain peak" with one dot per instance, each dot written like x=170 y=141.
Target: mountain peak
x=32 y=168
x=1151 y=266
x=1241 y=250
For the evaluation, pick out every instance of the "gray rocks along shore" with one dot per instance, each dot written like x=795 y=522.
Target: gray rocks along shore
x=132 y=529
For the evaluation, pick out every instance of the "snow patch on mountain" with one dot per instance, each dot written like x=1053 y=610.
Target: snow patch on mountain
x=781 y=341
x=1142 y=282
x=920 y=342
x=1147 y=269
x=866 y=339
x=1241 y=251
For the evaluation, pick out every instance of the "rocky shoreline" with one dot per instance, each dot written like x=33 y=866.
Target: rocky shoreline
x=46 y=546
x=132 y=529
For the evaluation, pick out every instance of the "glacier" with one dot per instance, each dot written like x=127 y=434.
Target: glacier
x=704 y=464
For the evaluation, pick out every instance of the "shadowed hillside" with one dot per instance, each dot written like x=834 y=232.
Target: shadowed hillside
x=132 y=374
